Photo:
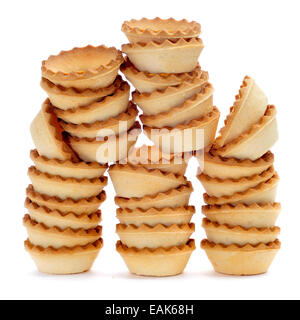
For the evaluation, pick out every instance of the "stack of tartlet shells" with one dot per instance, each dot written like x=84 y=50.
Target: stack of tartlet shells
x=175 y=96
x=240 y=183
x=86 y=101
x=171 y=89
x=154 y=213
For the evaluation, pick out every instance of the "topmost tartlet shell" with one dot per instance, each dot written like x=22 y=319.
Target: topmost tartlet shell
x=83 y=68
x=146 y=30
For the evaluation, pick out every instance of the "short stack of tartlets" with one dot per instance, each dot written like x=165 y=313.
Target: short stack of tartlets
x=154 y=213
x=86 y=101
x=240 y=183
x=171 y=89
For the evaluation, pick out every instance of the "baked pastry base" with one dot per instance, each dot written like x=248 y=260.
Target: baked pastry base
x=100 y=110
x=158 y=236
x=158 y=262
x=146 y=30
x=254 y=215
x=238 y=235
x=83 y=68
x=196 y=135
x=68 y=169
x=56 y=218
x=78 y=207
x=241 y=261
x=146 y=82
x=153 y=217
x=224 y=168
x=137 y=182
x=166 y=57
x=64 y=261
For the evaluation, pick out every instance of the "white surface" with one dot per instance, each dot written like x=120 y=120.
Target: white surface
x=257 y=37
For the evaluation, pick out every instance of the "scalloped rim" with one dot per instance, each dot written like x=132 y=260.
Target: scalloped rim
x=153 y=211
x=256 y=177
x=85 y=218
x=68 y=232
x=48 y=86
x=182 y=28
x=233 y=111
x=144 y=228
x=207 y=245
x=101 y=181
x=270 y=114
x=115 y=62
x=129 y=114
x=34 y=155
x=128 y=68
x=122 y=89
x=153 y=172
x=161 y=195
x=57 y=131
x=266 y=158
x=240 y=195
x=166 y=44
x=189 y=247
x=203 y=95
x=161 y=156
x=196 y=123
x=96 y=246
x=186 y=84
x=136 y=126
x=31 y=194
x=241 y=207
x=207 y=224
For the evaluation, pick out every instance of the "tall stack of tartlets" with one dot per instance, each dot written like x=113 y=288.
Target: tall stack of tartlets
x=154 y=213
x=86 y=101
x=171 y=89
x=240 y=183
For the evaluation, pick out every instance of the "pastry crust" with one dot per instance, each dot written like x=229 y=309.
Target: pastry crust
x=109 y=150
x=137 y=182
x=246 y=216
x=69 y=98
x=167 y=57
x=250 y=105
x=146 y=82
x=162 y=101
x=159 y=262
x=82 y=68
x=241 y=261
x=80 y=207
x=223 y=168
x=254 y=143
x=47 y=135
x=68 y=169
x=146 y=30
x=63 y=221
x=196 y=107
x=158 y=236
x=238 y=235
x=153 y=217
x=174 y=198
x=113 y=126
x=262 y=194
x=102 y=110
x=64 y=260
x=64 y=188
x=152 y=158
x=216 y=187
x=40 y=235
x=197 y=134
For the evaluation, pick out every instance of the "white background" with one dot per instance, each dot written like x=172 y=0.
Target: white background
x=258 y=37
